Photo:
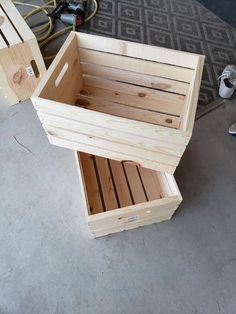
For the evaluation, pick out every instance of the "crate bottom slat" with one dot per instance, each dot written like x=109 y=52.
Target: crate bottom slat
x=117 y=184
x=121 y=195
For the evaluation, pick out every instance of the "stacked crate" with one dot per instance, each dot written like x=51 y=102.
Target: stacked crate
x=128 y=111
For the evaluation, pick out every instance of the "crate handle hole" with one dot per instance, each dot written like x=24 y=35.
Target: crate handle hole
x=61 y=74
x=130 y=162
x=35 y=68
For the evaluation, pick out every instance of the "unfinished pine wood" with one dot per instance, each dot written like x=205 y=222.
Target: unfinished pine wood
x=65 y=74
x=121 y=137
x=108 y=188
x=151 y=81
x=96 y=142
x=8 y=29
x=95 y=110
x=123 y=189
x=91 y=181
x=136 y=187
x=128 y=111
x=21 y=27
x=137 y=50
x=121 y=183
x=189 y=110
x=129 y=94
x=103 y=151
x=169 y=137
x=21 y=63
x=151 y=182
x=136 y=65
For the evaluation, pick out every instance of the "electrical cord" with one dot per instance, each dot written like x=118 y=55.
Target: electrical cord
x=48 y=26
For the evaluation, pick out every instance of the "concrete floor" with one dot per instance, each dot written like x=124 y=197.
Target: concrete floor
x=48 y=263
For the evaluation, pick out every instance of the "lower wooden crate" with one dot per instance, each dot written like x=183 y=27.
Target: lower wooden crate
x=121 y=196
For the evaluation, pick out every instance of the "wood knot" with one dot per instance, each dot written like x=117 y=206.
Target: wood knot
x=82 y=103
x=142 y=94
x=1 y=20
x=84 y=92
x=116 y=93
x=169 y=120
x=17 y=77
x=160 y=85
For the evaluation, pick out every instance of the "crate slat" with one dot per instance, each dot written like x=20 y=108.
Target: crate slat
x=121 y=137
x=22 y=28
x=136 y=65
x=151 y=81
x=151 y=183
x=7 y=30
x=107 y=186
x=121 y=183
x=137 y=50
x=94 y=195
x=127 y=111
x=129 y=94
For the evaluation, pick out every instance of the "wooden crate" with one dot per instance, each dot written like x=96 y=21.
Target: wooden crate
x=120 y=100
x=21 y=63
x=120 y=196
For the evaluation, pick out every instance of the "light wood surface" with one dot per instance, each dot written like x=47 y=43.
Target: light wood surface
x=19 y=56
x=132 y=195
x=136 y=65
x=151 y=81
x=137 y=50
x=120 y=100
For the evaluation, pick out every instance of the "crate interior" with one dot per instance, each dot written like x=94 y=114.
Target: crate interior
x=123 y=86
x=112 y=184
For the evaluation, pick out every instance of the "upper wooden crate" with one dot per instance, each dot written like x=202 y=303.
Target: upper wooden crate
x=120 y=100
x=21 y=63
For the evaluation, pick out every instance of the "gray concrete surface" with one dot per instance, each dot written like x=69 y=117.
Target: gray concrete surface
x=48 y=264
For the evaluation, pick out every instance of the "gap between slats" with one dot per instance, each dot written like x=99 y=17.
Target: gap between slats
x=121 y=75
x=130 y=94
x=140 y=66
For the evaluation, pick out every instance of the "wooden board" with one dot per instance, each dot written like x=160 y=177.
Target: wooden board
x=21 y=63
x=128 y=111
x=137 y=50
x=128 y=94
x=7 y=29
x=136 y=65
x=121 y=183
x=94 y=195
x=17 y=20
x=122 y=75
